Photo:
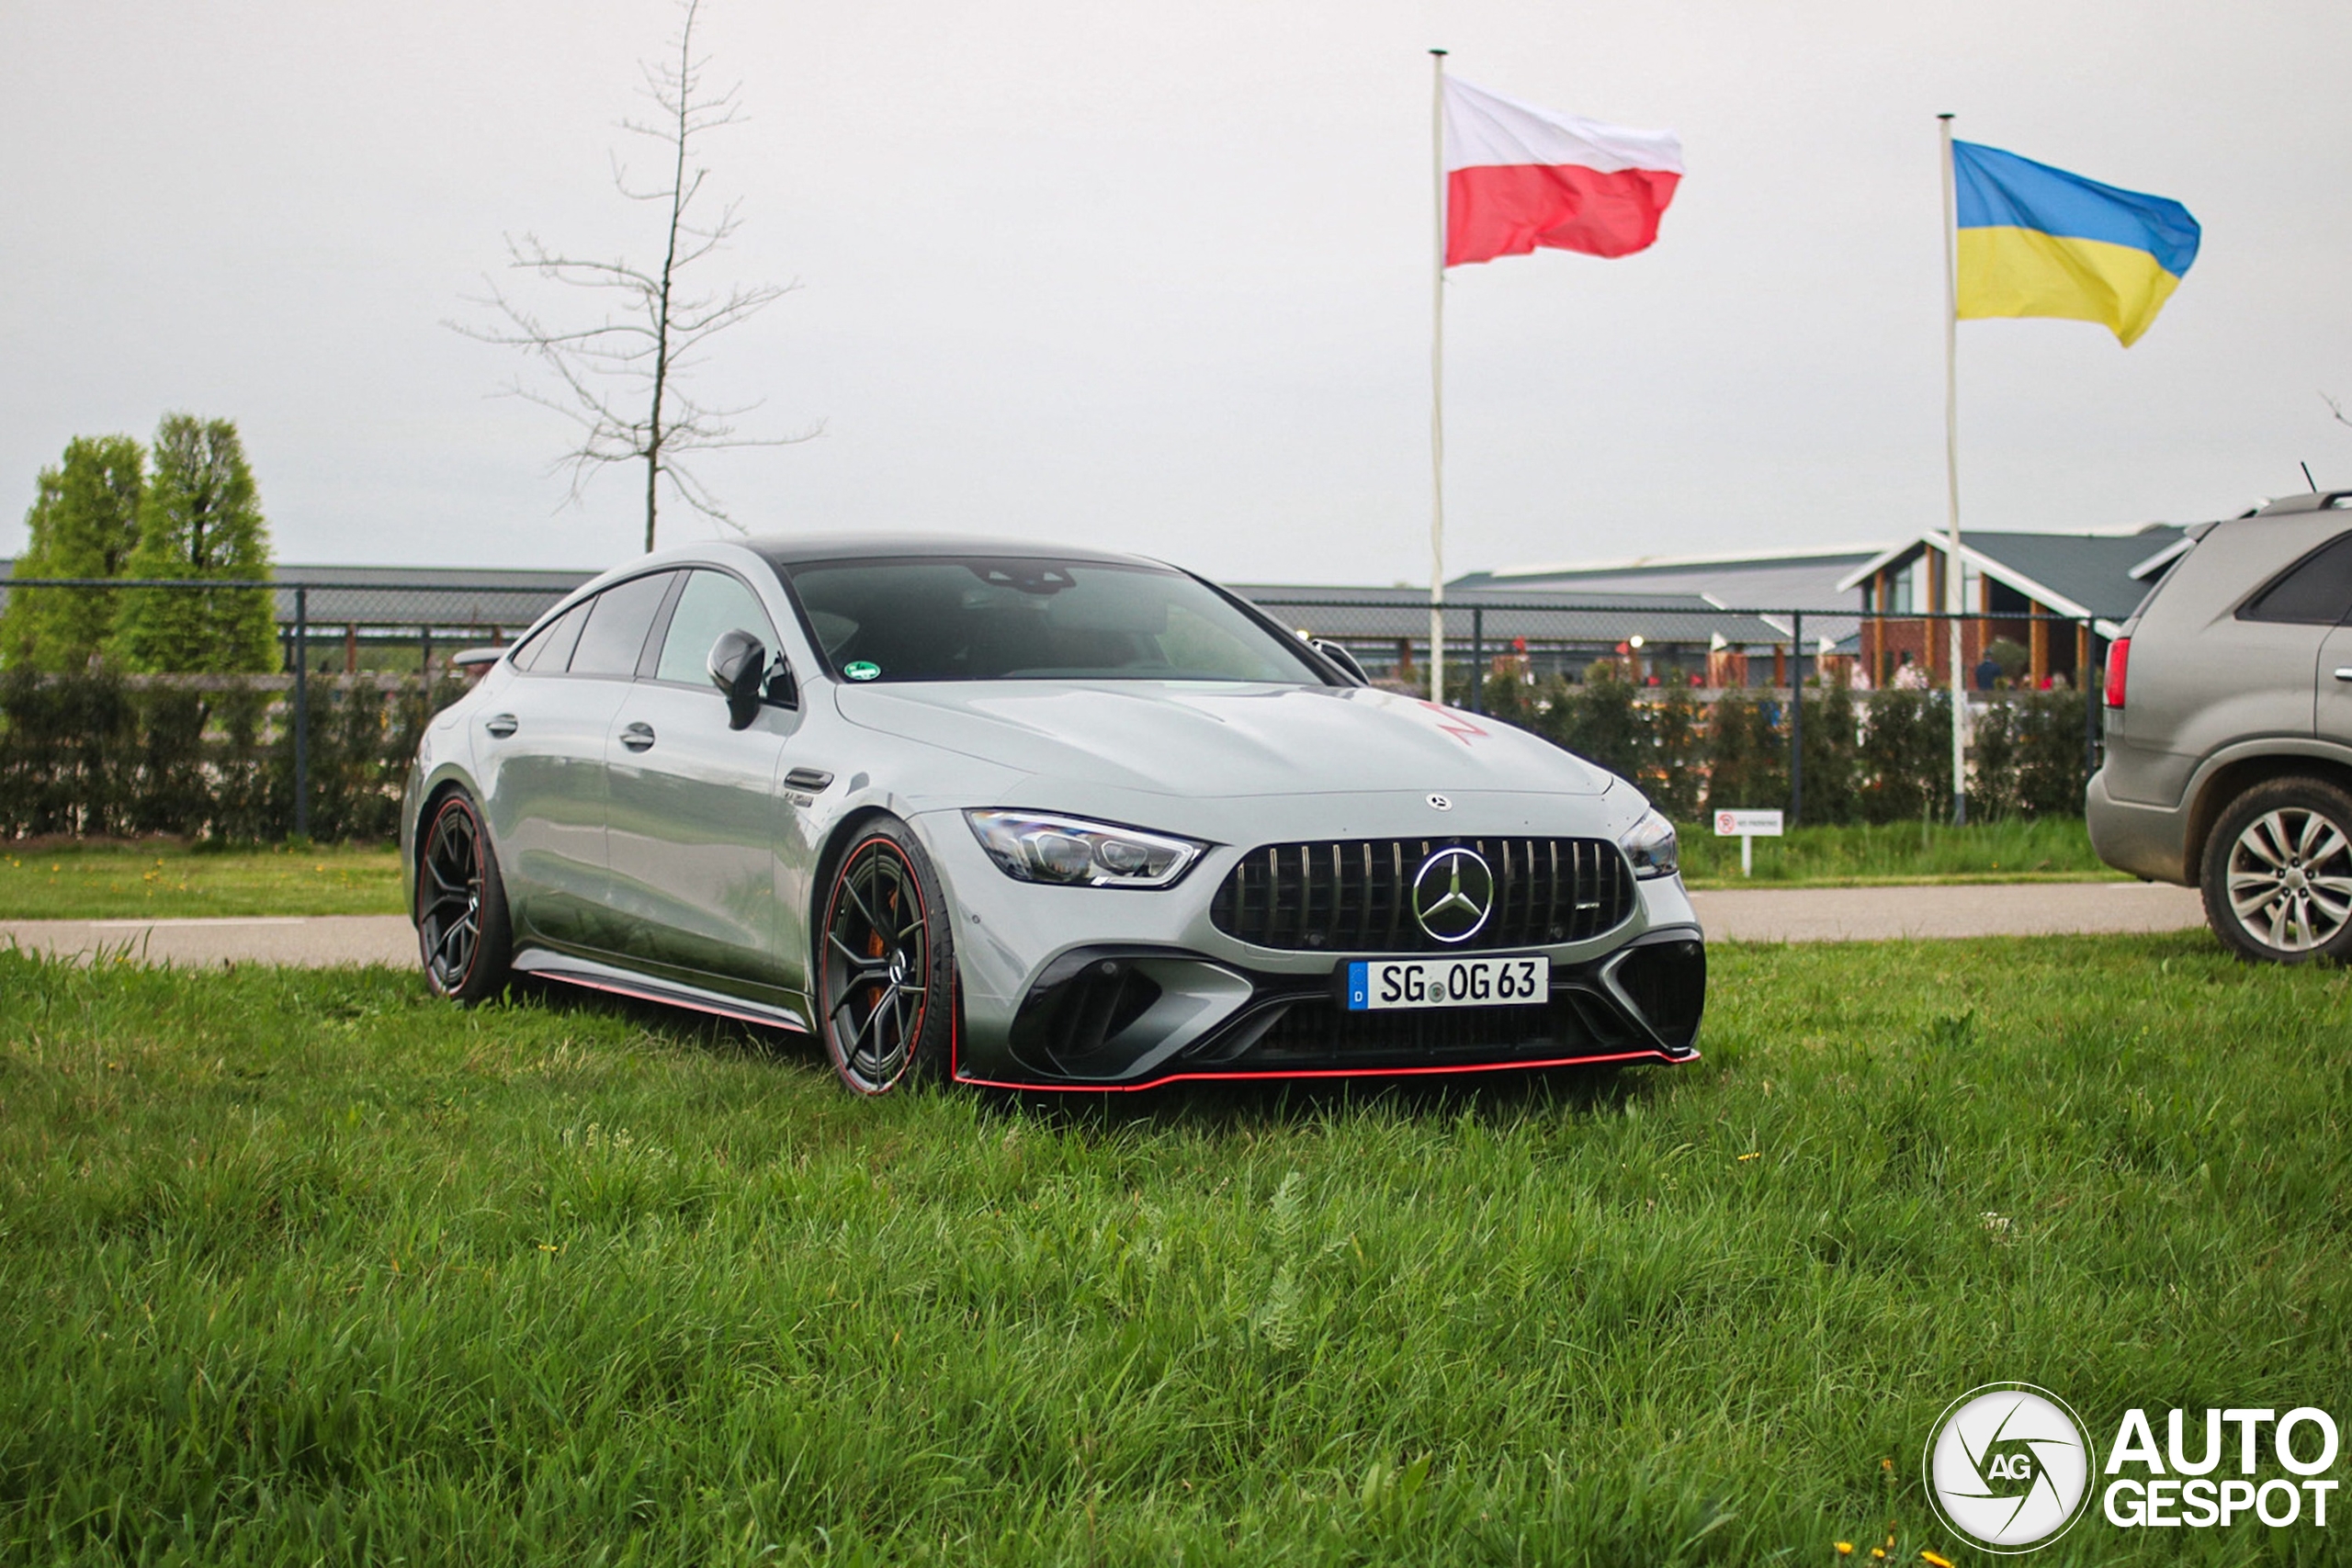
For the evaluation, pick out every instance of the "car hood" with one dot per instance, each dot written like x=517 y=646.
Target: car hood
x=1202 y=738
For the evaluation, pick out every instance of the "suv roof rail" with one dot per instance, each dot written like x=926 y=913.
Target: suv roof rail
x=2317 y=500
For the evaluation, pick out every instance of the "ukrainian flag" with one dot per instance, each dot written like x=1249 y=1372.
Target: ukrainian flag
x=2036 y=240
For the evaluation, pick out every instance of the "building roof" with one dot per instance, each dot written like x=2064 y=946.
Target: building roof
x=507 y=599
x=1807 y=579
x=2072 y=574
x=1591 y=620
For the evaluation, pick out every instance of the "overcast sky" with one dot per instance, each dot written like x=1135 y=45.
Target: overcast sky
x=1157 y=276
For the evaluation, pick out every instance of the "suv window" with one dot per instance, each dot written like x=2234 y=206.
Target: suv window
x=550 y=650
x=712 y=605
x=614 y=636
x=2315 y=590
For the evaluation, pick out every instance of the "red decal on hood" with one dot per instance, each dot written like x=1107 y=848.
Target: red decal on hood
x=1452 y=721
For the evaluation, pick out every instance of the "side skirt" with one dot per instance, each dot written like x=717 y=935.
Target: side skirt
x=594 y=976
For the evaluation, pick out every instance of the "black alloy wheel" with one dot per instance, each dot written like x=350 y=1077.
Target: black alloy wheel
x=887 y=969
x=462 y=921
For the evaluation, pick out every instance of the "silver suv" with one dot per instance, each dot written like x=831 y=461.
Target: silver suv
x=2229 y=730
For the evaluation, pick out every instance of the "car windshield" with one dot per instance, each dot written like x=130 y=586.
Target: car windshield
x=1001 y=618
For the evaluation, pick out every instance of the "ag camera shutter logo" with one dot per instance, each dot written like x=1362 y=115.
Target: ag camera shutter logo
x=2007 y=1467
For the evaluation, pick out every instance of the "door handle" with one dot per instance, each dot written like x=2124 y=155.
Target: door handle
x=501 y=724
x=638 y=737
x=2345 y=674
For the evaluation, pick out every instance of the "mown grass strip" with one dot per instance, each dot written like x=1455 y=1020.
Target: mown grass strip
x=302 y=1266
x=168 y=879
x=2046 y=849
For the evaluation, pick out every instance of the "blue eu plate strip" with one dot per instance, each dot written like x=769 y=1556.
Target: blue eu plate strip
x=1359 y=987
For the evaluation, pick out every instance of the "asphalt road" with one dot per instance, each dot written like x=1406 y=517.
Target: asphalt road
x=1801 y=914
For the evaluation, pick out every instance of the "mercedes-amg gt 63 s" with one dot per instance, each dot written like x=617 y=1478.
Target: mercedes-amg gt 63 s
x=1033 y=818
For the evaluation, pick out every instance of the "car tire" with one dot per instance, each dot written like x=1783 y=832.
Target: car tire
x=464 y=934
x=885 y=962
x=2277 y=873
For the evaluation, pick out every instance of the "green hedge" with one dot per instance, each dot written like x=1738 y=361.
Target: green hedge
x=1880 y=757
x=96 y=754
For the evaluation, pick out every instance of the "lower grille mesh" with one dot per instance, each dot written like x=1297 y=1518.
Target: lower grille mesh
x=1318 y=1033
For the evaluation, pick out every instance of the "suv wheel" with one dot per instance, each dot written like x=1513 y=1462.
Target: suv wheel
x=2278 y=872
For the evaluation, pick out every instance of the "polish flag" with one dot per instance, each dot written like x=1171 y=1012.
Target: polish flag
x=1517 y=177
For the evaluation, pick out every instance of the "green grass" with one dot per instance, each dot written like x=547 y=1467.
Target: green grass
x=2052 y=849
x=171 y=880
x=302 y=1267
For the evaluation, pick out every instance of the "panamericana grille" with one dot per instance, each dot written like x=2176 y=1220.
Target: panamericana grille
x=1355 y=894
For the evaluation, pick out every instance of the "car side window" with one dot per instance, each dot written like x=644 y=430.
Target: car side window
x=614 y=636
x=713 y=604
x=2315 y=590
x=551 y=651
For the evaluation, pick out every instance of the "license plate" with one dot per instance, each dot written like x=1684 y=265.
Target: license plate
x=1376 y=984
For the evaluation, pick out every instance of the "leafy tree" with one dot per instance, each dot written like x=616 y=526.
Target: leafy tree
x=1906 y=753
x=1747 y=755
x=1832 y=756
x=84 y=522
x=2050 y=770
x=1678 y=758
x=1604 y=724
x=201 y=521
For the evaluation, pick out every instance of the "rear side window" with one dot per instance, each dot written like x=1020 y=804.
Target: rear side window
x=712 y=605
x=2315 y=590
x=614 y=636
x=550 y=650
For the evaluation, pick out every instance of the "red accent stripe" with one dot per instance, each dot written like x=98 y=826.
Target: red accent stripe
x=1508 y=209
x=1331 y=1073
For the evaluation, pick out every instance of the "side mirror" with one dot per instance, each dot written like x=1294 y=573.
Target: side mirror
x=739 y=666
x=1341 y=656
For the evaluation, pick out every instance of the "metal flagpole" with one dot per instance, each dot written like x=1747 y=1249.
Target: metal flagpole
x=1437 y=388
x=1953 y=571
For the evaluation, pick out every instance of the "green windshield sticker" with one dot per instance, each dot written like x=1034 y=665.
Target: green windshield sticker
x=860 y=670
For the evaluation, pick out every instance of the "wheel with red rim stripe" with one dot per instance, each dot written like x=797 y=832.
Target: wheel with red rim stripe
x=462 y=934
x=886 y=964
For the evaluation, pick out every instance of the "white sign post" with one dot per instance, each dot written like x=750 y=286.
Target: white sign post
x=1749 y=826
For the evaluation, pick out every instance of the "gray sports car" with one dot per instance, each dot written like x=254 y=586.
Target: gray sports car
x=1034 y=817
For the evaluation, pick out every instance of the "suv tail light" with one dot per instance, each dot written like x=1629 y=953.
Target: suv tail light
x=2119 y=663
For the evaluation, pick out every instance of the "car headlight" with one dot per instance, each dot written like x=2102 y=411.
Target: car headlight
x=1030 y=846
x=1650 y=844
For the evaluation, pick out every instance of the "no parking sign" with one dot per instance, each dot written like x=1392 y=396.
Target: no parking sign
x=1747 y=827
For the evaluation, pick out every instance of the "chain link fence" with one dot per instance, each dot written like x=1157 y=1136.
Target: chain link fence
x=1693 y=700
x=316 y=747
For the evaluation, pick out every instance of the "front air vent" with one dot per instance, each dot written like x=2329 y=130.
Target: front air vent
x=1355 y=894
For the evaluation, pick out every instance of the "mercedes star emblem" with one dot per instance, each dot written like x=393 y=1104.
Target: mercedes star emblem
x=1453 y=895
x=1438 y=802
